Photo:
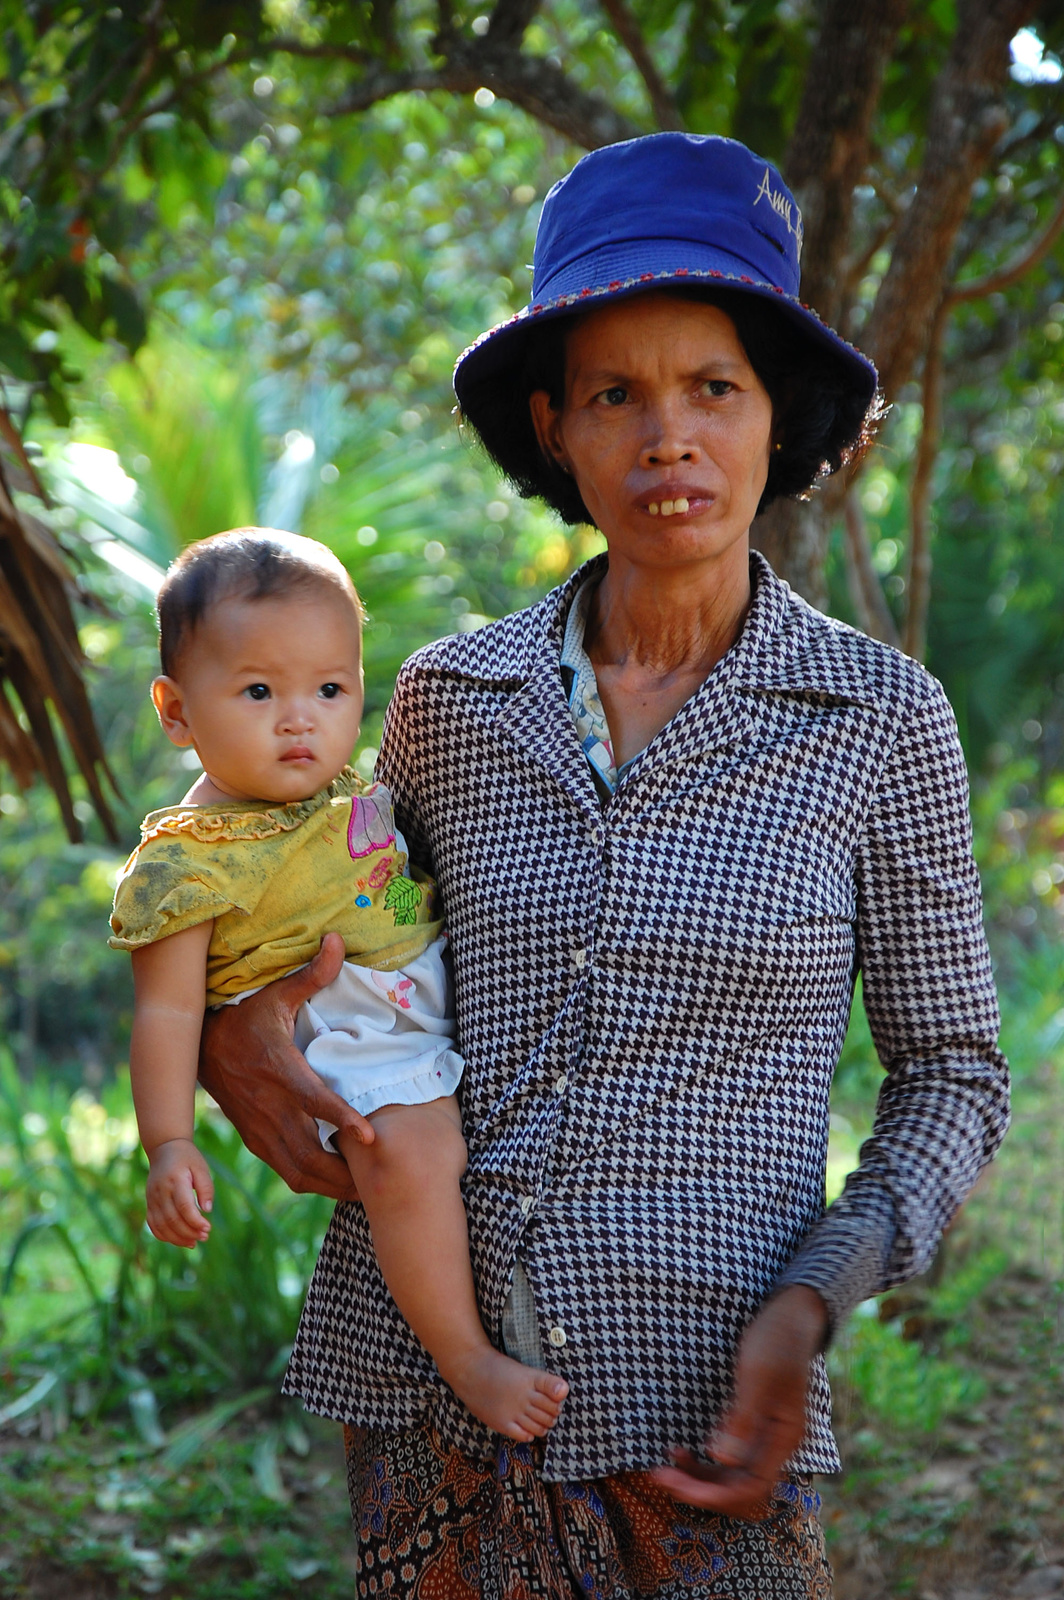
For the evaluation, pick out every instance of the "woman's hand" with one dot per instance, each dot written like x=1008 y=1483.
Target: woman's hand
x=249 y=1063
x=766 y=1420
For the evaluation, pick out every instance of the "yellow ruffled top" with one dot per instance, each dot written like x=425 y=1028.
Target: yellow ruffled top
x=275 y=879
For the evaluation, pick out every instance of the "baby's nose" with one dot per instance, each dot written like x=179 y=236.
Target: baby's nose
x=296 y=719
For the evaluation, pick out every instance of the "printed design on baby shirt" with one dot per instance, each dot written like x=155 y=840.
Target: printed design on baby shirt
x=386 y=868
x=371 y=827
x=399 y=994
x=402 y=897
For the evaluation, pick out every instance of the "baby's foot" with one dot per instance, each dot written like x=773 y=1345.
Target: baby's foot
x=521 y=1402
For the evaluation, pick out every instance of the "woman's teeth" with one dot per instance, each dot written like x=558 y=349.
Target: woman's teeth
x=668 y=508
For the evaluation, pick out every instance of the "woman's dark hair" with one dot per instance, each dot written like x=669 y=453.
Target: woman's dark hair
x=245 y=564
x=820 y=421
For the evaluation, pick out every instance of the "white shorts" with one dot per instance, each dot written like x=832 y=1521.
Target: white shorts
x=383 y=1038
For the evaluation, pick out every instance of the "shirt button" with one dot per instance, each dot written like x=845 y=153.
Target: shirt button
x=579 y=959
x=526 y=1203
x=557 y=1337
x=561 y=1084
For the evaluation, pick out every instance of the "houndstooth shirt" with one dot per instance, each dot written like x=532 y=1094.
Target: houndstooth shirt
x=652 y=996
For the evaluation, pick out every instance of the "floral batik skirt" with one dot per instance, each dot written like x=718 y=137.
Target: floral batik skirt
x=432 y=1524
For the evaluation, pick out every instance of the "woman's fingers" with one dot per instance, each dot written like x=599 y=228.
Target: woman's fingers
x=249 y=1063
x=766 y=1420
x=301 y=986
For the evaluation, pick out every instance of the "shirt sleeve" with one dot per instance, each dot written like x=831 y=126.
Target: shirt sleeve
x=932 y=1009
x=159 y=893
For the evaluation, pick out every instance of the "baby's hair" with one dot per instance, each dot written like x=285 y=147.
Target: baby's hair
x=243 y=564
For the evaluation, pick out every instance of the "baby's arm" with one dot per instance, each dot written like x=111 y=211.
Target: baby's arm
x=169 y=981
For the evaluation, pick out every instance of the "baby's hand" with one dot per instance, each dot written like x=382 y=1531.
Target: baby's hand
x=178 y=1176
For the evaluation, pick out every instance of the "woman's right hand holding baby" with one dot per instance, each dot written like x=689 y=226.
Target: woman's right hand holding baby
x=250 y=1064
x=180 y=1190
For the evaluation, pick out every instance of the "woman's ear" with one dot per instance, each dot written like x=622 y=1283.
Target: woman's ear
x=169 y=703
x=547 y=422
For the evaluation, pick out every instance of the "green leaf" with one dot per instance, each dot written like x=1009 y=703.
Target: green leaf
x=30 y=1400
x=16 y=353
x=125 y=312
x=187 y=1441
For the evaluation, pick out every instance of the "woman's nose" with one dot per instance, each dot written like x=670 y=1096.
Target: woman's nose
x=667 y=438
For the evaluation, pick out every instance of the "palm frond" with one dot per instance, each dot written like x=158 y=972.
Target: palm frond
x=41 y=660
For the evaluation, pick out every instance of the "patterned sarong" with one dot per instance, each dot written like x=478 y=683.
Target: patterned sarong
x=432 y=1524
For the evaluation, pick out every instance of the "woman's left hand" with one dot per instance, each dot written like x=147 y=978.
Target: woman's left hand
x=766 y=1420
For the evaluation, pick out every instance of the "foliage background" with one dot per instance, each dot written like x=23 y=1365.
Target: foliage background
x=311 y=278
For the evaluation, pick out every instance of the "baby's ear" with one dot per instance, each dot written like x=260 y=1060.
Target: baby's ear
x=169 y=705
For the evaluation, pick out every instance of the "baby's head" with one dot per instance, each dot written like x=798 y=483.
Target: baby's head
x=260 y=635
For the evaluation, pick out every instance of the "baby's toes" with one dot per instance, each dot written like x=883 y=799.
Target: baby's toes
x=542 y=1418
x=523 y=1431
x=549 y=1391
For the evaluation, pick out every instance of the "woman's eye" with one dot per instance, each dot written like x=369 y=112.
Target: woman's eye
x=615 y=396
x=258 y=691
x=329 y=691
x=718 y=387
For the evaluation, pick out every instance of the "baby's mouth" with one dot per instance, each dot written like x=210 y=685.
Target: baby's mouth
x=298 y=752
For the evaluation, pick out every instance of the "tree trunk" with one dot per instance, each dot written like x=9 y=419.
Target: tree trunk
x=828 y=157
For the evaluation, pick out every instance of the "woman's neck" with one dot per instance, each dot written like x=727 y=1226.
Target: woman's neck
x=654 y=624
x=655 y=634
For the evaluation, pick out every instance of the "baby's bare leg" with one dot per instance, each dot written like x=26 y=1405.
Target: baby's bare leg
x=408 y=1182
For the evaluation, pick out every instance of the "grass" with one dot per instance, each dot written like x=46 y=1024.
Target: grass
x=260 y=1511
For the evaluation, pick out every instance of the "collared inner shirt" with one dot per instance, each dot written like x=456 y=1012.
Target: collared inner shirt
x=585 y=703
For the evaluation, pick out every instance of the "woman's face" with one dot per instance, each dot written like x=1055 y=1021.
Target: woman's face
x=665 y=426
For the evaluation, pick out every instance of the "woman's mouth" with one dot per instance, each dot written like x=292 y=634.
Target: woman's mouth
x=675 y=500
x=678 y=505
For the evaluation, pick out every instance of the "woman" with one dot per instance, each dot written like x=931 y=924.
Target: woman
x=672 y=810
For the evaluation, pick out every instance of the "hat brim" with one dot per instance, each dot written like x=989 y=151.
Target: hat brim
x=494 y=360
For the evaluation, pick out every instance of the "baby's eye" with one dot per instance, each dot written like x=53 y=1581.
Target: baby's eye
x=329 y=691
x=258 y=691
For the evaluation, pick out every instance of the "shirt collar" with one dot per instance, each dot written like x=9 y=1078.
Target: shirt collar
x=785 y=646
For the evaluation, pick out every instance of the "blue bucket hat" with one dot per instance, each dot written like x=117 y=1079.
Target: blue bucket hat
x=669 y=210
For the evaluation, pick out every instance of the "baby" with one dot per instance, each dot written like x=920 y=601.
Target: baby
x=277 y=842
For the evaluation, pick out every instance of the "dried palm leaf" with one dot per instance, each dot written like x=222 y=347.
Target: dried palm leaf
x=41 y=659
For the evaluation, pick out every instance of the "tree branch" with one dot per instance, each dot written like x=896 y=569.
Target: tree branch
x=866 y=591
x=628 y=31
x=509 y=21
x=918 y=582
x=996 y=282
x=536 y=85
x=851 y=272
x=967 y=118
